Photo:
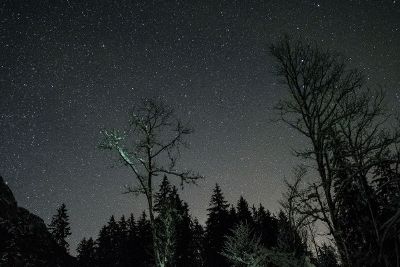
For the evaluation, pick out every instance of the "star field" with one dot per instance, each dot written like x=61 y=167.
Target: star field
x=70 y=68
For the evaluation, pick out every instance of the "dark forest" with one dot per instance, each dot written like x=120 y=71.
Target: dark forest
x=339 y=199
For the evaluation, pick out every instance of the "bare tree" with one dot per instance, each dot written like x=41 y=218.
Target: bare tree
x=301 y=212
x=150 y=148
x=292 y=207
x=344 y=122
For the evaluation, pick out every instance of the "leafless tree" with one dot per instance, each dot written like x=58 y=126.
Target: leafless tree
x=150 y=148
x=292 y=207
x=302 y=213
x=344 y=122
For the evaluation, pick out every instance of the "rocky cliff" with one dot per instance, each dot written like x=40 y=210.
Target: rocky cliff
x=24 y=238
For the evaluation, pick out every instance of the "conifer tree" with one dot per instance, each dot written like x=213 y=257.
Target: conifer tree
x=165 y=205
x=131 y=227
x=232 y=214
x=163 y=195
x=289 y=239
x=108 y=245
x=122 y=241
x=123 y=225
x=144 y=242
x=103 y=244
x=184 y=249
x=174 y=226
x=198 y=244
x=86 y=253
x=59 y=227
x=326 y=257
x=216 y=229
x=243 y=212
x=131 y=246
x=242 y=247
x=266 y=225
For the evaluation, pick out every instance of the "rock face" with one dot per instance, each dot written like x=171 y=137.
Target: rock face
x=8 y=205
x=24 y=238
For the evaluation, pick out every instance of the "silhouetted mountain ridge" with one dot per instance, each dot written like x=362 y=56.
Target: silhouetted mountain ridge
x=24 y=238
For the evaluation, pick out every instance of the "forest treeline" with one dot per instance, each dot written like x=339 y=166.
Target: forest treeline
x=127 y=241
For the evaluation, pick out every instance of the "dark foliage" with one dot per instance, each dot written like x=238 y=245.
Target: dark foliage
x=128 y=242
x=87 y=253
x=24 y=237
x=327 y=257
x=356 y=156
x=217 y=227
x=59 y=227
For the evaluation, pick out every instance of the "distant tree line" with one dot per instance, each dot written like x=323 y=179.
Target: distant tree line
x=128 y=241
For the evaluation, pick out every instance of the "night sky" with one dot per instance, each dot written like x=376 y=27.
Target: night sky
x=70 y=68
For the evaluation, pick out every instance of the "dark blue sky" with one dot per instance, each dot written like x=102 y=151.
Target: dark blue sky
x=69 y=69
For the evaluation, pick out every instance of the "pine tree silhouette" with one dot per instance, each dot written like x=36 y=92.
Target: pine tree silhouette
x=86 y=253
x=59 y=227
x=243 y=212
x=216 y=229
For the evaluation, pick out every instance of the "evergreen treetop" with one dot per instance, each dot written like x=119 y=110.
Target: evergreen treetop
x=59 y=227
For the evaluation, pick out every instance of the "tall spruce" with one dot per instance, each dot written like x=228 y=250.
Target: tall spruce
x=197 y=244
x=243 y=213
x=174 y=226
x=242 y=247
x=266 y=226
x=131 y=246
x=59 y=227
x=144 y=242
x=108 y=244
x=122 y=242
x=184 y=247
x=216 y=229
